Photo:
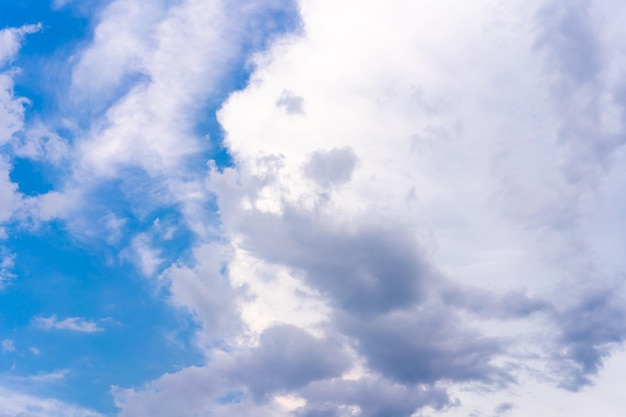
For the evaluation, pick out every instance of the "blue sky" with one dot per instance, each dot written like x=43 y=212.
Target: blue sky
x=298 y=208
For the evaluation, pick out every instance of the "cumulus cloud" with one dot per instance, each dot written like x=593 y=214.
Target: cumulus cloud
x=289 y=358
x=441 y=157
x=286 y=358
x=368 y=397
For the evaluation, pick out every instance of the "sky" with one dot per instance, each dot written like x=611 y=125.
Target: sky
x=312 y=208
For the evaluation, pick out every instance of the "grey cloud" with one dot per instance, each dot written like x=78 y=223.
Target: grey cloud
x=503 y=408
x=366 y=269
x=568 y=39
x=578 y=63
x=425 y=345
x=512 y=304
x=381 y=290
x=374 y=397
x=588 y=331
x=292 y=103
x=332 y=167
x=288 y=358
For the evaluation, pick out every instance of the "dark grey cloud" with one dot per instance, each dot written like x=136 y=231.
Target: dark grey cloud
x=383 y=295
x=374 y=397
x=292 y=103
x=366 y=269
x=333 y=167
x=577 y=61
x=588 y=331
x=425 y=345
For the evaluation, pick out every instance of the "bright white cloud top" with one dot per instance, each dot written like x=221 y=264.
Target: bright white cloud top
x=313 y=208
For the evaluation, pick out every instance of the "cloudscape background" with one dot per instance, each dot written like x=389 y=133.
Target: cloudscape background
x=312 y=208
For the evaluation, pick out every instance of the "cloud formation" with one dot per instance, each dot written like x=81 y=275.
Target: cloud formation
x=419 y=213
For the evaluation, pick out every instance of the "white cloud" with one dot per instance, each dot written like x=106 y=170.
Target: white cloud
x=54 y=204
x=41 y=144
x=11 y=122
x=8 y=345
x=205 y=290
x=143 y=84
x=11 y=40
x=11 y=107
x=10 y=198
x=145 y=257
x=58 y=4
x=182 y=60
x=42 y=377
x=18 y=404
x=6 y=265
x=76 y=324
x=470 y=135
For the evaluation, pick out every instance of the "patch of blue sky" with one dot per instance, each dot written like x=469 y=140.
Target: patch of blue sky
x=233 y=397
x=141 y=336
x=32 y=177
x=119 y=209
x=43 y=58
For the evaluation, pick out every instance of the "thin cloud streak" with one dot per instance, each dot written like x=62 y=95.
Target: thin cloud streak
x=75 y=324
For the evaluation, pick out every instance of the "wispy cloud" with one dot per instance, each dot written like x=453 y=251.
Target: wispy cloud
x=75 y=324
x=6 y=265
x=7 y=345
x=43 y=377
x=15 y=403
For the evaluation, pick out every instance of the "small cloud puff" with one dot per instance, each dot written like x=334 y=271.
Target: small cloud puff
x=76 y=324
x=7 y=345
x=292 y=103
x=333 y=167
